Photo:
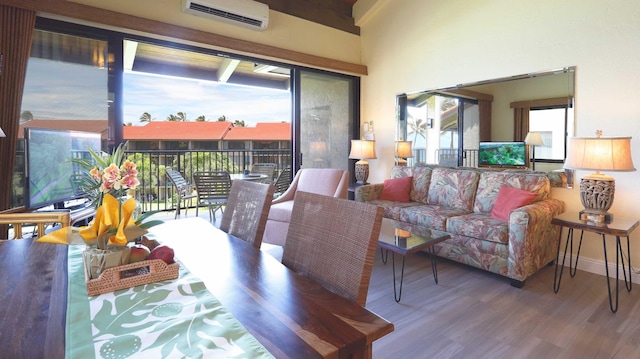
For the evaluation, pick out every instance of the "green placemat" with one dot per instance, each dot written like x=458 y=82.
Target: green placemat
x=167 y=319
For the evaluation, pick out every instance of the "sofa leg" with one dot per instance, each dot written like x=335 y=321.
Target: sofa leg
x=517 y=283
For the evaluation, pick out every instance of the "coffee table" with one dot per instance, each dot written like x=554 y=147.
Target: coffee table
x=403 y=238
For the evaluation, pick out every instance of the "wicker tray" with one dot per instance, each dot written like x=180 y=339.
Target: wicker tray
x=127 y=276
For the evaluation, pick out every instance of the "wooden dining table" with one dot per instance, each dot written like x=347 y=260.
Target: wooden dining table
x=290 y=315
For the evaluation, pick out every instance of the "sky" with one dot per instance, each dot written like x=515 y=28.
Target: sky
x=59 y=90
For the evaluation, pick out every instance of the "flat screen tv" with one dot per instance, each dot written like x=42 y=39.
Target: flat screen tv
x=49 y=172
x=503 y=154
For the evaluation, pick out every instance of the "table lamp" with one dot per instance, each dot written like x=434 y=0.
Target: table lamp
x=533 y=139
x=403 y=151
x=362 y=150
x=600 y=154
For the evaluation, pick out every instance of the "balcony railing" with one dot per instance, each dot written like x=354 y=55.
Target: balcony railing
x=156 y=193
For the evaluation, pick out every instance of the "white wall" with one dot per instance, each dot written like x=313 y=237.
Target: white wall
x=411 y=45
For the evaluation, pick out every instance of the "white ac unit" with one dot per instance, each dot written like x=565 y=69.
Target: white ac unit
x=246 y=13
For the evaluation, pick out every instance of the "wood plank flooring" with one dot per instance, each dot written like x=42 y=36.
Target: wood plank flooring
x=476 y=314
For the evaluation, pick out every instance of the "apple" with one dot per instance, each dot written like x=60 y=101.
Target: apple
x=162 y=252
x=138 y=254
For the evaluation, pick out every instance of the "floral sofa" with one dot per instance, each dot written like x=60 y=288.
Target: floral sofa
x=461 y=201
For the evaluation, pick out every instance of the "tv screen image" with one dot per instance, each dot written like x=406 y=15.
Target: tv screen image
x=503 y=154
x=49 y=171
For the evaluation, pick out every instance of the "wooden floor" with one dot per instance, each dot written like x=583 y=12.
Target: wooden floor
x=476 y=314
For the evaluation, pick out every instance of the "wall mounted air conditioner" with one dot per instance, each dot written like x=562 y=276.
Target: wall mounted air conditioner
x=246 y=13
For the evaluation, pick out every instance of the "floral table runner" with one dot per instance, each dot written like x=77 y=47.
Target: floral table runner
x=167 y=319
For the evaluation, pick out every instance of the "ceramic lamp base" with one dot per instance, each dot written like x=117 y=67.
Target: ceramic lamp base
x=362 y=172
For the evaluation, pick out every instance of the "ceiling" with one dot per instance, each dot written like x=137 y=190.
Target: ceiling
x=333 y=13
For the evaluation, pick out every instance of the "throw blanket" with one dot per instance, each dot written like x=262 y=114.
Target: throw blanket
x=167 y=319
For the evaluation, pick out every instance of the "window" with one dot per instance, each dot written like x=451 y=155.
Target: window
x=552 y=124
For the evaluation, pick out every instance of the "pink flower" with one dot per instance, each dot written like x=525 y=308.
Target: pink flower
x=129 y=168
x=130 y=182
x=95 y=173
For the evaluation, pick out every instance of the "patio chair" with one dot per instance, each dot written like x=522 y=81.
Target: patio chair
x=283 y=181
x=212 y=189
x=183 y=189
x=326 y=181
x=40 y=219
x=268 y=169
x=333 y=242
x=245 y=215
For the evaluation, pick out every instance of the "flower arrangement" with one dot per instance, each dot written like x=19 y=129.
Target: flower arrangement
x=110 y=178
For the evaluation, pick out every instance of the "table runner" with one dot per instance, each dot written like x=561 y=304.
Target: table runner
x=173 y=318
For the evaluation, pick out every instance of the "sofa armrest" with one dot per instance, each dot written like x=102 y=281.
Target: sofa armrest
x=368 y=192
x=533 y=240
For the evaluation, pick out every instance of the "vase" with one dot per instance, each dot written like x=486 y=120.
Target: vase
x=96 y=260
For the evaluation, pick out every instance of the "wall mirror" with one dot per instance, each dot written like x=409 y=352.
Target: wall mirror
x=446 y=126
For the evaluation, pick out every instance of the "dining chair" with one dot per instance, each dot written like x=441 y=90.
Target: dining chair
x=40 y=219
x=212 y=188
x=283 y=181
x=245 y=215
x=183 y=189
x=268 y=169
x=333 y=242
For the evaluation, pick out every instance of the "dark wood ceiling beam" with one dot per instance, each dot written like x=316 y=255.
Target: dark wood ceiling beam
x=333 y=13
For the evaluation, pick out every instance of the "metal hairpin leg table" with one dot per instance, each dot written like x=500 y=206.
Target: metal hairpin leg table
x=404 y=239
x=619 y=227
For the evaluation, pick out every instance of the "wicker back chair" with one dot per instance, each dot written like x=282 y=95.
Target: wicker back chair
x=40 y=219
x=333 y=241
x=183 y=189
x=245 y=215
x=268 y=169
x=283 y=181
x=212 y=189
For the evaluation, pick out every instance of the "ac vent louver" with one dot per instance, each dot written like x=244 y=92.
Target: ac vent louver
x=246 y=13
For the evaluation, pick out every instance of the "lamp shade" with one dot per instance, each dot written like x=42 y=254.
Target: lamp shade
x=362 y=149
x=2 y=133
x=533 y=139
x=403 y=149
x=599 y=154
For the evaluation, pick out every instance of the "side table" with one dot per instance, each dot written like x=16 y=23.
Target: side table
x=404 y=239
x=619 y=227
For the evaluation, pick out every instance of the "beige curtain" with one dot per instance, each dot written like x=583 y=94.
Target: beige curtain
x=16 y=29
x=520 y=123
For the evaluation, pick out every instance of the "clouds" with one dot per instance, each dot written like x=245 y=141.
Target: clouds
x=162 y=96
x=60 y=90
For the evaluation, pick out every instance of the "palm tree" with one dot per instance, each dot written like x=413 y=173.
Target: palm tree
x=145 y=117
x=201 y=118
x=417 y=127
x=173 y=118
x=182 y=116
x=238 y=123
x=222 y=118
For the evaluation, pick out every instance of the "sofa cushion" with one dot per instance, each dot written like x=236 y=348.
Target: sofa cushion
x=453 y=188
x=491 y=181
x=392 y=209
x=480 y=226
x=421 y=183
x=431 y=216
x=510 y=198
x=396 y=189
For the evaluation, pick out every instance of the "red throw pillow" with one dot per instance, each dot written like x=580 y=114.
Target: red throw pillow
x=510 y=198
x=397 y=189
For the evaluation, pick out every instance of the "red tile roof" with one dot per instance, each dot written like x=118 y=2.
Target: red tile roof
x=262 y=131
x=172 y=130
x=96 y=126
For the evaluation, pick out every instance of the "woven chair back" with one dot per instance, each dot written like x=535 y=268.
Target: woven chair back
x=333 y=242
x=268 y=169
x=245 y=215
